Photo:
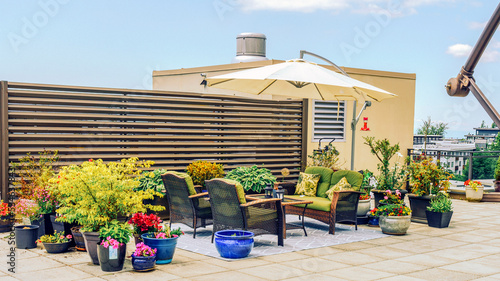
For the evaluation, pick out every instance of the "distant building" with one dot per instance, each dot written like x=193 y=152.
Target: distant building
x=420 y=139
x=483 y=136
x=452 y=153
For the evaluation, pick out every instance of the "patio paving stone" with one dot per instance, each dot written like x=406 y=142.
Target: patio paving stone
x=396 y=267
x=352 y=258
x=53 y=274
x=274 y=272
x=443 y=275
x=191 y=269
x=155 y=275
x=428 y=260
x=358 y=273
x=473 y=267
x=316 y=264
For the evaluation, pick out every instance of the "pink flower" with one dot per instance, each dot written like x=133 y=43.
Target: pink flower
x=69 y=236
x=385 y=197
x=173 y=235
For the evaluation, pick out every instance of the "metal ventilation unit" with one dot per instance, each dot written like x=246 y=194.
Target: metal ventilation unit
x=250 y=47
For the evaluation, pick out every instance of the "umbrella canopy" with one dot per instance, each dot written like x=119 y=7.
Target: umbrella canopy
x=301 y=79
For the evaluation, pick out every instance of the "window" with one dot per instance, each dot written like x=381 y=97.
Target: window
x=329 y=120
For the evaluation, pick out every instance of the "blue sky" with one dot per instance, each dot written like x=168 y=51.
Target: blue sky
x=119 y=43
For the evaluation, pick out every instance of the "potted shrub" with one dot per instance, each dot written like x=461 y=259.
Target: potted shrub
x=327 y=157
x=56 y=243
x=143 y=258
x=95 y=193
x=164 y=241
x=440 y=211
x=394 y=219
x=113 y=246
x=497 y=176
x=364 y=203
x=473 y=190
x=253 y=179
x=152 y=180
x=144 y=223
x=6 y=218
x=426 y=178
x=201 y=170
x=27 y=209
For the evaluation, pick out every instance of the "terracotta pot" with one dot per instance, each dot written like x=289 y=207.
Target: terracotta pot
x=394 y=225
x=472 y=195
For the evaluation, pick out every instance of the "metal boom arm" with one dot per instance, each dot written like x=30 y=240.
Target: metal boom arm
x=464 y=82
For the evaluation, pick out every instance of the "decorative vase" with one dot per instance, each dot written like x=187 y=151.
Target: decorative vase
x=26 y=236
x=363 y=207
x=78 y=238
x=472 y=195
x=56 y=248
x=165 y=248
x=234 y=244
x=6 y=223
x=143 y=263
x=394 y=225
x=111 y=259
x=418 y=206
x=438 y=219
x=91 y=240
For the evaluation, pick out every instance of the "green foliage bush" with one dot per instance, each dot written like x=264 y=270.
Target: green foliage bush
x=119 y=231
x=252 y=178
x=200 y=171
x=152 y=180
x=497 y=170
x=440 y=203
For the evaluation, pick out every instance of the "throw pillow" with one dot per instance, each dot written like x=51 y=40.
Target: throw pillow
x=343 y=184
x=307 y=184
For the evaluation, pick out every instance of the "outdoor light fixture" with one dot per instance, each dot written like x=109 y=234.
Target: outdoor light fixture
x=268 y=191
x=279 y=193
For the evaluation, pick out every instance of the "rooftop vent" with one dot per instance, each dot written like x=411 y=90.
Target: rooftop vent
x=250 y=47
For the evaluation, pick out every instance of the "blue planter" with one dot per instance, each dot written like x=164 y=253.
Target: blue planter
x=165 y=248
x=143 y=263
x=234 y=244
x=373 y=221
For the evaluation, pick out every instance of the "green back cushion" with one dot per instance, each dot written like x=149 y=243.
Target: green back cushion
x=239 y=190
x=324 y=181
x=307 y=184
x=188 y=179
x=353 y=178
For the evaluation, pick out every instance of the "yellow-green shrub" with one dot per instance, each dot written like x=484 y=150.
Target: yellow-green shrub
x=201 y=170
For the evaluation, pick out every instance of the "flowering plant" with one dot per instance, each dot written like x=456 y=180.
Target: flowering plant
x=27 y=208
x=392 y=198
x=4 y=209
x=473 y=184
x=57 y=237
x=108 y=241
x=166 y=232
x=144 y=223
x=143 y=250
x=364 y=197
x=391 y=210
x=427 y=177
x=284 y=173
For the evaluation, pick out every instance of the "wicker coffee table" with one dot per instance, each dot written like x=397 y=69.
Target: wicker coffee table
x=286 y=202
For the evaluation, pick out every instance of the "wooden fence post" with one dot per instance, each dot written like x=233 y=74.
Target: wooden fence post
x=4 y=149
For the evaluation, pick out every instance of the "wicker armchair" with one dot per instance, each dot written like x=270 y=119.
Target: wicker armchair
x=186 y=206
x=231 y=211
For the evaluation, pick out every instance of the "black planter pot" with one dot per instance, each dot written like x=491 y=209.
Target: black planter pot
x=40 y=222
x=26 y=236
x=110 y=261
x=157 y=201
x=62 y=227
x=379 y=195
x=437 y=219
x=56 y=248
x=6 y=223
x=418 y=205
x=78 y=238
x=91 y=240
x=45 y=225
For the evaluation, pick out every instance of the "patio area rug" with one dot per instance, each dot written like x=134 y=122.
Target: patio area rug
x=264 y=245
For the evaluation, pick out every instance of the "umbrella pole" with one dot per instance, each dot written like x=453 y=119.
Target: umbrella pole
x=354 y=122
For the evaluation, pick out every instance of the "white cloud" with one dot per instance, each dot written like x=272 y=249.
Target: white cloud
x=491 y=54
x=477 y=25
x=459 y=50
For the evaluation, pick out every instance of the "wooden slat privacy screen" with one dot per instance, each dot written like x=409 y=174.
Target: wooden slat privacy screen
x=171 y=128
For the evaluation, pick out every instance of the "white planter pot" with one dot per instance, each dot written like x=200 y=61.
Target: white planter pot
x=363 y=207
x=472 y=195
x=395 y=225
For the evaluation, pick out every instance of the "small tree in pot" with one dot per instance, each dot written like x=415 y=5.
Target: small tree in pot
x=440 y=210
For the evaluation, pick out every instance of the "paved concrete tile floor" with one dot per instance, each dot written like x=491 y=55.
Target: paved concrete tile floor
x=468 y=250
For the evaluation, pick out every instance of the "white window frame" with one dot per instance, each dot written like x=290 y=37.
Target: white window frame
x=325 y=133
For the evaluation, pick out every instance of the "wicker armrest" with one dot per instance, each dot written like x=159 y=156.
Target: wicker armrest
x=260 y=201
x=198 y=195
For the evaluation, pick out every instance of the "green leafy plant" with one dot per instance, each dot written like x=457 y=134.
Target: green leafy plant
x=327 y=157
x=152 y=180
x=95 y=193
x=441 y=203
x=426 y=177
x=200 y=171
x=252 y=178
x=391 y=210
x=389 y=178
x=497 y=170
x=115 y=230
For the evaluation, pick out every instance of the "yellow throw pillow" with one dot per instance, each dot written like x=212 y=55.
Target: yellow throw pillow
x=307 y=184
x=343 y=184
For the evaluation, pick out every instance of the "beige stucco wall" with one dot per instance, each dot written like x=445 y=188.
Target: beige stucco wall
x=391 y=118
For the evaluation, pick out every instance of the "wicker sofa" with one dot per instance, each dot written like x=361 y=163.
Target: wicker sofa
x=344 y=204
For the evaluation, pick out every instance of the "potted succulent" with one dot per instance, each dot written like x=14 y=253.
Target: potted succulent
x=144 y=223
x=143 y=258
x=95 y=193
x=164 y=241
x=497 y=176
x=473 y=190
x=56 y=243
x=113 y=246
x=6 y=218
x=394 y=219
x=426 y=178
x=253 y=179
x=152 y=180
x=201 y=170
x=440 y=211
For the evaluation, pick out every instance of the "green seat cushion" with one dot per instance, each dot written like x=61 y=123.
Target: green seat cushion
x=239 y=189
x=188 y=179
x=257 y=215
x=307 y=184
x=319 y=203
x=353 y=178
x=324 y=180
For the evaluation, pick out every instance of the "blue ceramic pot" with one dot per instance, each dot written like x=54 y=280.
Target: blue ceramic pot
x=234 y=244
x=143 y=263
x=373 y=221
x=165 y=248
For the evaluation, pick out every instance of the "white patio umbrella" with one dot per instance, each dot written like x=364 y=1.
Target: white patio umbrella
x=302 y=79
